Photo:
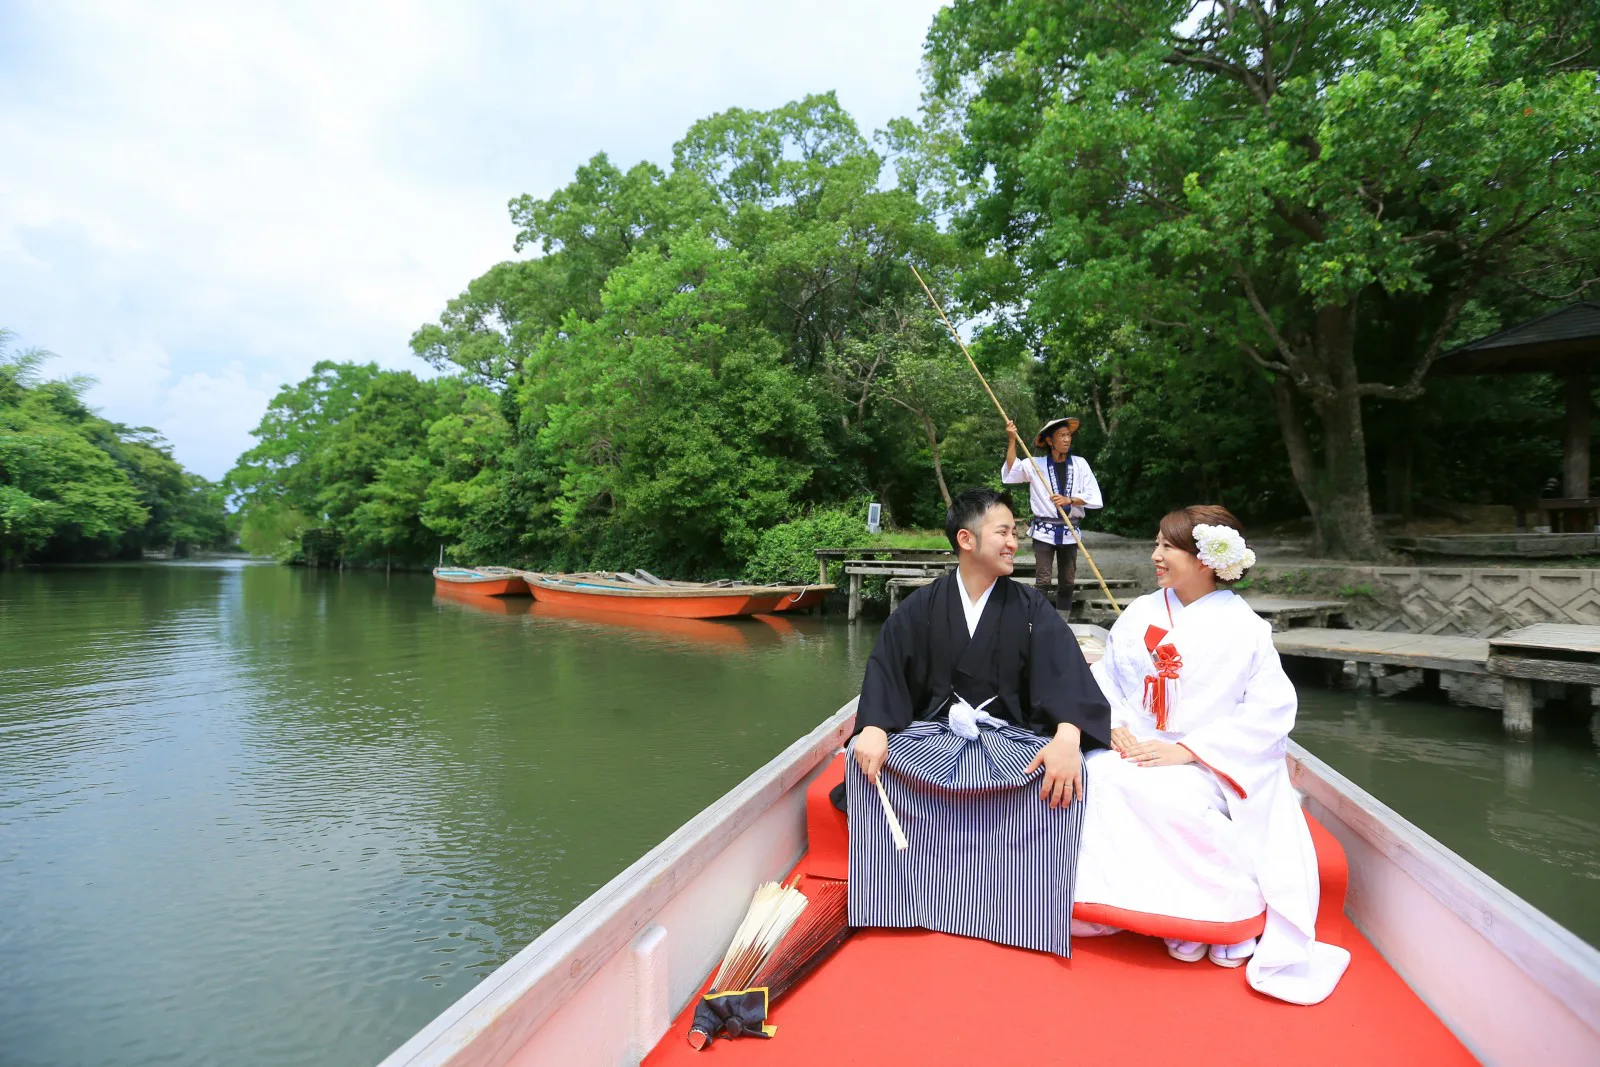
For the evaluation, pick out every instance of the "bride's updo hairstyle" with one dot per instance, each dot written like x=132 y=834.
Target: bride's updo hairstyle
x=1178 y=528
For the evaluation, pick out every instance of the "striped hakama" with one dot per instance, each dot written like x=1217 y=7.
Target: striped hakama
x=986 y=857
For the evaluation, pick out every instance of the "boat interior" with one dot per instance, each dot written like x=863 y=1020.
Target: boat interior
x=1448 y=966
x=896 y=996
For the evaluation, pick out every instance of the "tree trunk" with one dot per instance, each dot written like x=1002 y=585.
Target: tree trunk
x=1335 y=490
x=1345 y=529
x=933 y=444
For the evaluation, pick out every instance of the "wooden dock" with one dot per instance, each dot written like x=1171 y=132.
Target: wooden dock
x=1464 y=655
x=1549 y=653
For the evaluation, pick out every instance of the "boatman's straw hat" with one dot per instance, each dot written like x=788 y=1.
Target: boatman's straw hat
x=1052 y=426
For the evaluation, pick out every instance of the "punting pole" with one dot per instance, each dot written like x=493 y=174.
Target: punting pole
x=1033 y=472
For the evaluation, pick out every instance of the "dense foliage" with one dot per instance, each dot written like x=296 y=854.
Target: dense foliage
x=1232 y=236
x=75 y=487
x=694 y=357
x=1329 y=192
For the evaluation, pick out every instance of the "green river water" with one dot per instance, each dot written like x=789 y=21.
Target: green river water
x=268 y=817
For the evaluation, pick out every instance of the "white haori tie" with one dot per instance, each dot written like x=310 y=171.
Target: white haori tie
x=964 y=718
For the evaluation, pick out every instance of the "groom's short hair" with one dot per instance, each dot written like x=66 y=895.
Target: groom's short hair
x=968 y=508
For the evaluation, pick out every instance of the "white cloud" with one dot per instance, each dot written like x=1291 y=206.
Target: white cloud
x=200 y=200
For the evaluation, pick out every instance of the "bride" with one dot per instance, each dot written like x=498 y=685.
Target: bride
x=1192 y=831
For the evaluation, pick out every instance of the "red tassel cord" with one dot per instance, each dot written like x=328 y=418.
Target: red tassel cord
x=1157 y=686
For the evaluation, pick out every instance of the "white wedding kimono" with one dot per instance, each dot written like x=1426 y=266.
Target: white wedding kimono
x=1218 y=839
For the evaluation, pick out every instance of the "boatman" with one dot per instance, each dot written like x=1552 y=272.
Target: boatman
x=1057 y=479
x=974 y=714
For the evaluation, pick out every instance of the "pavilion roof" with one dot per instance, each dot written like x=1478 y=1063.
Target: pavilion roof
x=1564 y=340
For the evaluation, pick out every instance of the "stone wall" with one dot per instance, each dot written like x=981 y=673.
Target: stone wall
x=1475 y=602
x=1464 y=601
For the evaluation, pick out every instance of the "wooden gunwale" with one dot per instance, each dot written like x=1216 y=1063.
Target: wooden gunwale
x=1556 y=974
x=1391 y=860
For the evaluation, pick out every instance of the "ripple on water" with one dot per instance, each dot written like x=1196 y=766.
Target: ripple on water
x=237 y=796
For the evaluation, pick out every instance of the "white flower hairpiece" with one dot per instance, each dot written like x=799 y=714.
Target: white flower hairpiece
x=1222 y=548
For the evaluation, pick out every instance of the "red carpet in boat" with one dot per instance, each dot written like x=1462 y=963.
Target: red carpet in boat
x=912 y=997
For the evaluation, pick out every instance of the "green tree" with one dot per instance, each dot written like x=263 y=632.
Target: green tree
x=676 y=429
x=1316 y=189
x=59 y=492
x=339 y=451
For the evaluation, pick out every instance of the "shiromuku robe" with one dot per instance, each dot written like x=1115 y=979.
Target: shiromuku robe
x=986 y=857
x=1219 y=839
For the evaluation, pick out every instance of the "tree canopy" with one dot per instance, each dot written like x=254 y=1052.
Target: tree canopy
x=74 y=486
x=1231 y=236
x=1328 y=191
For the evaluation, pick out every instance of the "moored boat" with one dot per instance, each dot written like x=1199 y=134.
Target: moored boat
x=644 y=594
x=1448 y=965
x=480 y=581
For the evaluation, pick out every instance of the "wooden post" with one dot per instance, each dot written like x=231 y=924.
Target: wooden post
x=855 y=597
x=1517 y=714
x=1575 y=449
x=1364 y=679
x=894 y=596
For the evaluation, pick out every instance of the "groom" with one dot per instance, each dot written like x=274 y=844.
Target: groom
x=974 y=712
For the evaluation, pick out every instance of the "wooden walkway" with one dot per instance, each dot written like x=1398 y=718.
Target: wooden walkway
x=1549 y=653
x=1465 y=655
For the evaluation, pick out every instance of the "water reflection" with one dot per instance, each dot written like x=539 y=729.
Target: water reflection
x=240 y=795
x=1526 y=812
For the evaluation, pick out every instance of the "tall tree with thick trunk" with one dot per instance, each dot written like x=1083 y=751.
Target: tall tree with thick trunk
x=1277 y=181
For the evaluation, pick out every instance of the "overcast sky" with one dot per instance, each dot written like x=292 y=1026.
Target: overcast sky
x=199 y=200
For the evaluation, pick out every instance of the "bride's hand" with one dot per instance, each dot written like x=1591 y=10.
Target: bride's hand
x=1122 y=739
x=1159 y=754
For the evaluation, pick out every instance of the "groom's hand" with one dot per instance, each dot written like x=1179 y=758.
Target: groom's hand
x=871 y=749
x=1063 y=768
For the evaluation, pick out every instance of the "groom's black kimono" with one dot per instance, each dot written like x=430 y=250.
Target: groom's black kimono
x=1022 y=653
x=987 y=857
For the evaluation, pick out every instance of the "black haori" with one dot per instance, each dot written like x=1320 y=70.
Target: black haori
x=986 y=857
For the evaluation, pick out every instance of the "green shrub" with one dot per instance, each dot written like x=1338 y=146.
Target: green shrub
x=783 y=552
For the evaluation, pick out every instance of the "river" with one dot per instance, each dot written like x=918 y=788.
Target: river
x=270 y=817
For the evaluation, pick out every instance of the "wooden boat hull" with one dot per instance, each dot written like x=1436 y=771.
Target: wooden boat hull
x=603 y=985
x=493 y=587
x=700 y=607
x=465 y=581
x=680 y=600
x=808 y=598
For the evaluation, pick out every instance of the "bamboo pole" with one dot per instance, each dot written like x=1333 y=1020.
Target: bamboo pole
x=1033 y=472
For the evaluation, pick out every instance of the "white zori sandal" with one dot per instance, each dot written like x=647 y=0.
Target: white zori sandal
x=1233 y=955
x=1187 y=951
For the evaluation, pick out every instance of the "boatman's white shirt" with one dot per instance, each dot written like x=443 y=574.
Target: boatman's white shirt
x=972 y=608
x=1041 y=483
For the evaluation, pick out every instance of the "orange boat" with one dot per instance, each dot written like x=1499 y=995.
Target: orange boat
x=808 y=596
x=642 y=593
x=480 y=581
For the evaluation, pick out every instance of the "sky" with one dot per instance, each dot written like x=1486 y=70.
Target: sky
x=199 y=200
